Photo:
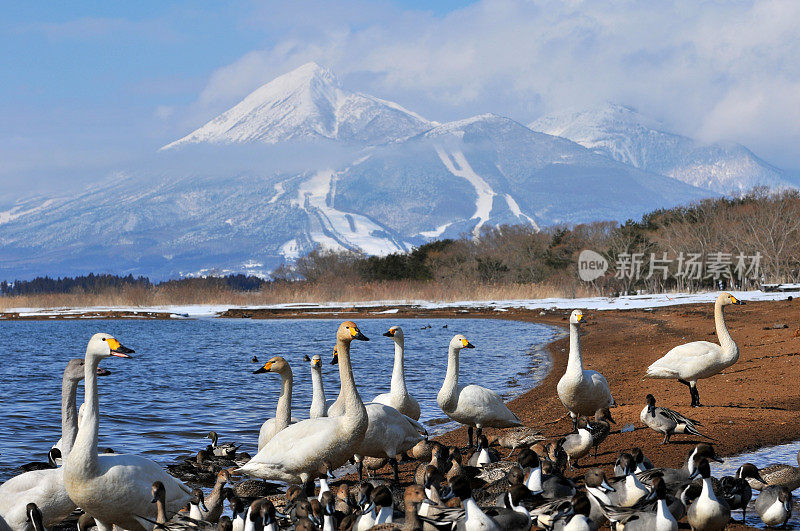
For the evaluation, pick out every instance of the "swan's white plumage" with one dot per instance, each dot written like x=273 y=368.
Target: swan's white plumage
x=300 y=450
x=471 y=405
x=398 y=396
x=700 y=359
x=46 y=488
x=582 y=391
x=389 y=432
x=115 y=489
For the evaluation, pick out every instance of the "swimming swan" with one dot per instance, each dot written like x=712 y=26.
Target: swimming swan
x=700 y=359
x=46 y=488
x=319 y=405
x=398 y=396
x=298 y=451
x=471 y=405
x=581 y=391
x=115 y=489
x=283 y=412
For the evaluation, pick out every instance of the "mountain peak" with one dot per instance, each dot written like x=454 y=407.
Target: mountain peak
x=305 y=104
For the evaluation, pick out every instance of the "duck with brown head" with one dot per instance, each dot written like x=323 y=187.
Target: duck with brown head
x=297 y=452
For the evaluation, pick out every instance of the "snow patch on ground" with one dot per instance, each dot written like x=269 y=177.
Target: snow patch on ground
x=589 y=303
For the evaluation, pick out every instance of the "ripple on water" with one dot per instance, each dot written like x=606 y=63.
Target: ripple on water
x=193 y=376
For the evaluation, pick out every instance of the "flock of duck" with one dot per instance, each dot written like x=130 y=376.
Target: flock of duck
x=448 y=489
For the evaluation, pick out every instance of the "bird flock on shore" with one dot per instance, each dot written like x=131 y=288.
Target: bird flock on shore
x=292 y=482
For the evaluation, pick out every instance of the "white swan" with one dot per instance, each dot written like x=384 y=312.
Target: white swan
x=337 y=408
x=700 y=359
x=298 y=451
x=319 y=405
x=389 y=433
x=398 y=396
x=115 y=489
x=581 y=391
x=471 y=405
x=46 y=488
x=283 y=412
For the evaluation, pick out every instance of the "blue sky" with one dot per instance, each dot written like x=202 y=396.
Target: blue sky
x=89 y=87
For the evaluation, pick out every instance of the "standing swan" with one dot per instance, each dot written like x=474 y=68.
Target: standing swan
x=298 y=451
x=115 y=489
x=582 y=392
x=398 y=396
x=471 y=405
x=700 y=359
x=46 y=488
x=283 y=413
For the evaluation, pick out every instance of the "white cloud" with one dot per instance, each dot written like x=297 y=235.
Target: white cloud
x=722 y=70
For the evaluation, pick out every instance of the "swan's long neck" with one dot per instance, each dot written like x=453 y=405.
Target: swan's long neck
x=161 y=511
x=319 y=407
x=283 y=413
x=353 y=406
x=69 y=415
x=575 y=363
x=450 y=385
x=398 y=386
x=725 y=339
x=83 y=454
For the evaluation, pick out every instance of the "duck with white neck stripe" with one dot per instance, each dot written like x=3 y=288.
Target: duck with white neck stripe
x=707 y=513
x=677 y=477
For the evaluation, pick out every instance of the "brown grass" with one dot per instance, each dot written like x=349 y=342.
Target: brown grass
x=296 y=293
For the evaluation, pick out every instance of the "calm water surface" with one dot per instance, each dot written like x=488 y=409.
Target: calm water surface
x=192 y=376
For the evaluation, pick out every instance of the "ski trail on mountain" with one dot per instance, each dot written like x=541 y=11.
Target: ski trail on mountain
x=483 y=205
x=335 y=229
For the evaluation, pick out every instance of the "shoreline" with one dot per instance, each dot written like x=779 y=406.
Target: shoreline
x=753 y=404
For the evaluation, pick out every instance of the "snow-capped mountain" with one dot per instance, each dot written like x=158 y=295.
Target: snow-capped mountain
x=308 y=103
x=396 y=181
x=625 y=135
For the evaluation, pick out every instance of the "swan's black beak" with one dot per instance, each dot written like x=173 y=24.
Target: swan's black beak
x=388 y=334
x=358 y=335
x=335 y=360
x=118 y=349
x=469 y=345
x=103 y=372
x=267 y=366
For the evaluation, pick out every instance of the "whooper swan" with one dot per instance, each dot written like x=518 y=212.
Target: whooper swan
x=581 y=391
x=115 y=489
x=298 y=451
x=700 y=359
x=283 y=412
x=471 y=405
x=398 y=396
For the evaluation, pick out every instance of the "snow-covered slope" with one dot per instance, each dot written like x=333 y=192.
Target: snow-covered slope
x=627 y=136
x=308 y=103
x=392 y=181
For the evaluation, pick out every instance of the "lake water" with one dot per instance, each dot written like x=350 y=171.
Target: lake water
x=192 y=376
x=784 y=453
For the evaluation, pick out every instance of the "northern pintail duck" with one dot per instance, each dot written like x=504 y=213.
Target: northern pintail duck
x=676 y=478
x=707 y=513
x=667 y=421
x=779 y=474
x=735 y=491
x=774 y=505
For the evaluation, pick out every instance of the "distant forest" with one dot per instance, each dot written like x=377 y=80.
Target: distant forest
x=97 y=284
x=740 y=243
